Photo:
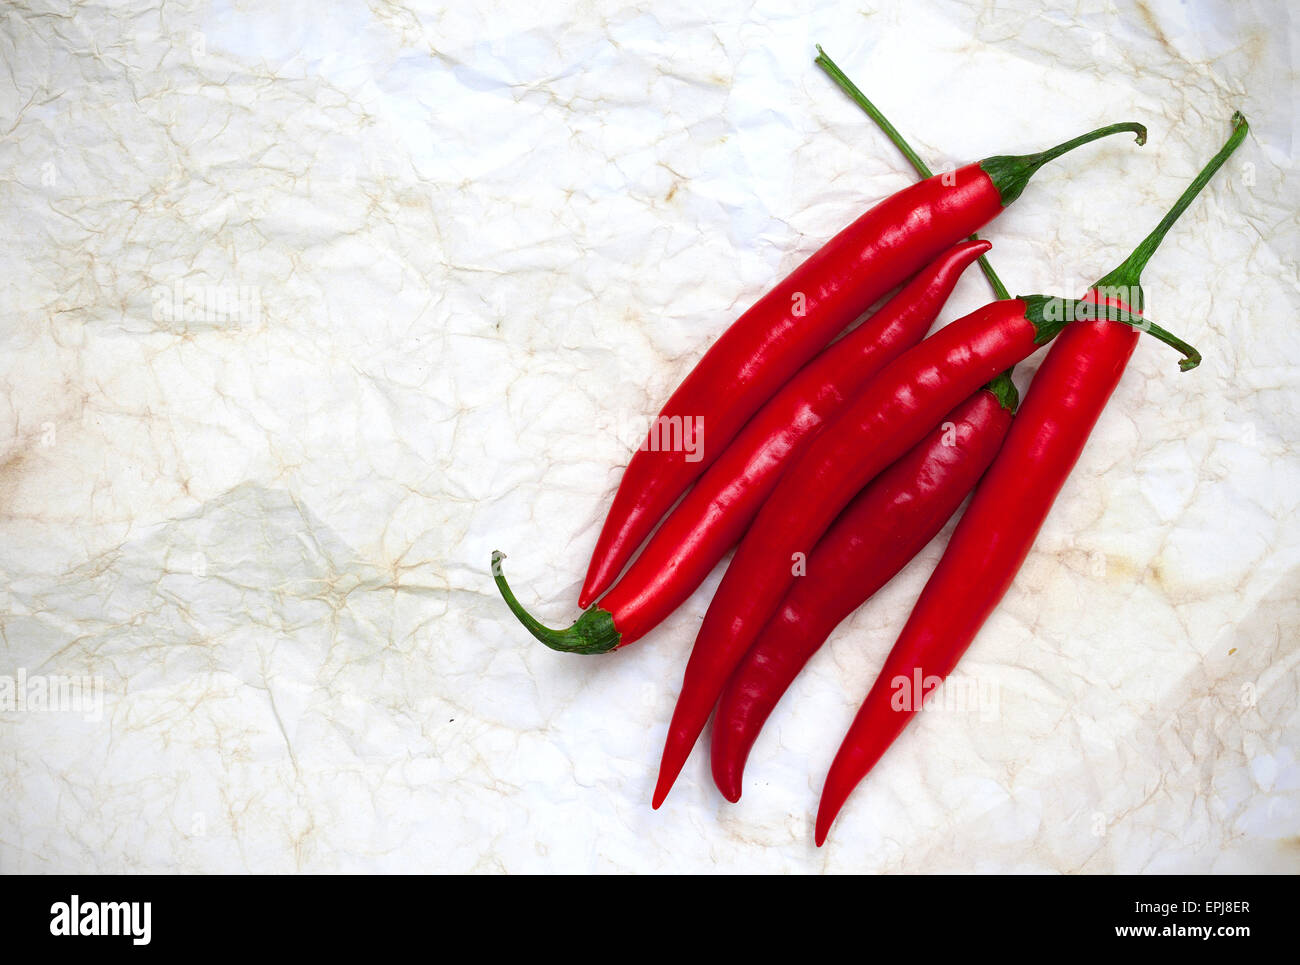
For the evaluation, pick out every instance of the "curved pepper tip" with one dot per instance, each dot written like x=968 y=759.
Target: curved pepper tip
x=827 y=811
x=819 y=835
x=729 y=791
x=669 y=768
x=728 y=780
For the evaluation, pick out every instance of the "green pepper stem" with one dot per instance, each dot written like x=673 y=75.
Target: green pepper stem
x=1127 y=277
x=1050 y=314
x=831 y=68
x=1011 y=172
x=1003 y=389
x=593 y=632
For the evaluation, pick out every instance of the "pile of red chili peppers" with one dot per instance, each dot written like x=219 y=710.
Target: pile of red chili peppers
x=831 y=463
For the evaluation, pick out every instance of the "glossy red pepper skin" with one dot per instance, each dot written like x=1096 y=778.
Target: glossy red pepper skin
x=714 y=514
x=886 y=525
x=989 y=545
x=995 y=534
x=768 y=344
x=894 y=412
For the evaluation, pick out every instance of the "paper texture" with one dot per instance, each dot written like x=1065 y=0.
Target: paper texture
x=307 y=312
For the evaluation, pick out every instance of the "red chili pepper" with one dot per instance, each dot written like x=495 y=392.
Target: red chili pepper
x=889 y=416
x=876 y=536
x=762 y=349
x=997 y=530
x=715 y=513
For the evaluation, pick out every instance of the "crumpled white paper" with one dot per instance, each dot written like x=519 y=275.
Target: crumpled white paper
x=308 y=312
